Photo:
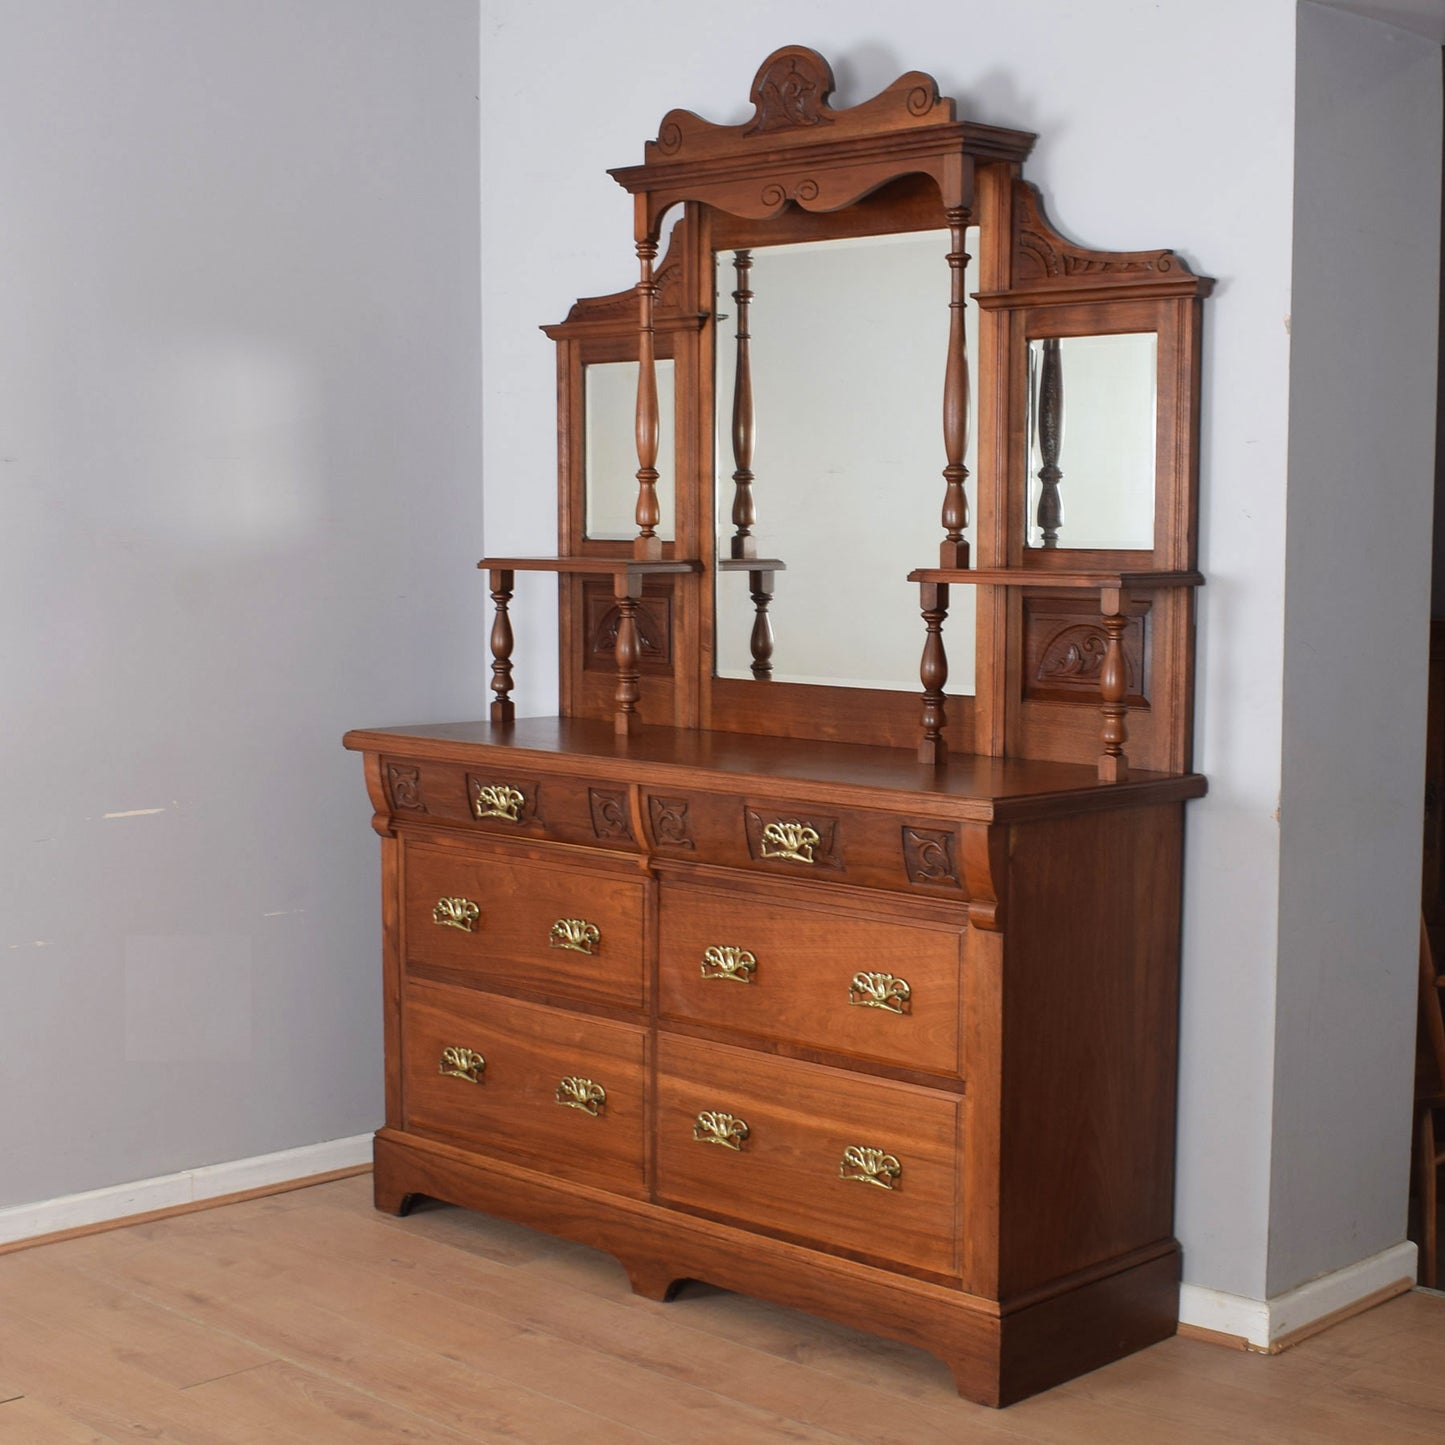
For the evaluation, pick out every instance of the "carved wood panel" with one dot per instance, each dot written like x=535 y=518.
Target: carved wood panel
x=670 y=828
x=928 y=856
x=405 y=786
x=601 y=617
x=1063 y=651
x=610 y=817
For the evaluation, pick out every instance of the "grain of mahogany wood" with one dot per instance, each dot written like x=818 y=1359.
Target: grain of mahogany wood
x=310 y=1318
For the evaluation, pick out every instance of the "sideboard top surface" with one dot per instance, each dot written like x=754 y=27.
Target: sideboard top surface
x=972 y=786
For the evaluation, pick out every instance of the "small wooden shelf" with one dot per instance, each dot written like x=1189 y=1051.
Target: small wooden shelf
x=750 y=564
x=1039 y=577
x=603 y=566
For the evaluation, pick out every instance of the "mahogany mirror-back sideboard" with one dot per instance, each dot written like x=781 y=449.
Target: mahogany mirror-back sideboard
x=825 y=946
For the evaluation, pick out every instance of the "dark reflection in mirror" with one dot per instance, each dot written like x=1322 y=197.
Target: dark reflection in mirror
x=610 y=437
x=1091 y=440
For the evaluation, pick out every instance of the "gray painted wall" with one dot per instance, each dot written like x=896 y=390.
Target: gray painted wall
x=1357 y=596
x=239 y=446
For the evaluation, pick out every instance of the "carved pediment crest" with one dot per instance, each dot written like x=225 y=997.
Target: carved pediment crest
x=791 y=89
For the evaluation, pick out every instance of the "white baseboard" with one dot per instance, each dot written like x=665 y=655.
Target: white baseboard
x=1263 y=1323
x=171 y=1191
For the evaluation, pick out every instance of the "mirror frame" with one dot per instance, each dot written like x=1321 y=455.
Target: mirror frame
x=800 y=170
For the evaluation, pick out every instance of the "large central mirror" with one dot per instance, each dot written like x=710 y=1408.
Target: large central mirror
x=844 y=344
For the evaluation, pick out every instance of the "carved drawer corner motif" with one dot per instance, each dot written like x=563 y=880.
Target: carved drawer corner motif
x=404 y=785
x=610 y=818
x=810 y=841
x=928 y=857
x=670 y=828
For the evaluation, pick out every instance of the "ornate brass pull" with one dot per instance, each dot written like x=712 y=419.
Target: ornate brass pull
x=870 y=1166
x=575 y=1093
x=575 y=934
x=723 y=960
x=881 y=990
x=793 y=840
x=456 y=913
x=724 y=1129
x=498 y=800
x=460 y=1063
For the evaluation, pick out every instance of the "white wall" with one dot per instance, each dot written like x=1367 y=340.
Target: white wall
x=1357 y=581
x=1160 y=125
x=239 y=444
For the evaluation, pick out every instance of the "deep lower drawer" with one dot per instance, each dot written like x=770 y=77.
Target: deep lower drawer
x=860 y=1165
x=538 y=1085
x=518 y=923
x=813 y=976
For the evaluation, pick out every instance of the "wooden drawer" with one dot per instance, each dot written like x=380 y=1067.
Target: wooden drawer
x=813 y=976
x=550 y=928
x=502 y=799
x=509 y=1104
x=807 y=843
x=813 y=1138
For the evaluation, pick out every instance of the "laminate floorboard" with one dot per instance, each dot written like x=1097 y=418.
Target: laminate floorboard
x=307 y=1318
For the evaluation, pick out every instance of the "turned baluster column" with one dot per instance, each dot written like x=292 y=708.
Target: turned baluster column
x=647 y=545
x=503 y=709
x=933 y=672
x=1113 y=688
x=744 y=508
x=953 y=551
x=1049 y=413
x=760 y=586
x=627 y=592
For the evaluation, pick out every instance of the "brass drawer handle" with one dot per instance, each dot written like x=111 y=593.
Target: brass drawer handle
x=881 y=990
x=460 y=1063
x=870 y=1166
x=456 y=913
x=793 y=840
x=575 y=1093
x=575 y=934
x=498 y=800
x=724 y=1129
x=723 y=960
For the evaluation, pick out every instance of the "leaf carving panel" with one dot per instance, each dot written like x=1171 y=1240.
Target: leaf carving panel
x=1064 y=650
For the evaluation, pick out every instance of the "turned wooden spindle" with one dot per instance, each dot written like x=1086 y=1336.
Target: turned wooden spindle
x=1049 y=415
x=1113 y=688
x=627 y=592
x=503 y=709
x=953 y=551
x=647 y=545
x=933 y=671
x=745 y=515
x=760 y=586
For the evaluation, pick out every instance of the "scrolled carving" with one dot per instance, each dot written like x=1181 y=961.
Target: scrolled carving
x=928 y=856
x=790 y=90
x=610 y=818
x=1042 y=254
x=405 y=787
x=1065 y=645
x=1076 y=653
x=670 y=827
x=922 y=99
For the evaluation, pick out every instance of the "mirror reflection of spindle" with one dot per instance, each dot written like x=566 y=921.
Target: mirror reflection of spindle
x=742 y=546
x=1048 y=394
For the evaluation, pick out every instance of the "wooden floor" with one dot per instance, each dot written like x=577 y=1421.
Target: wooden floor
x=306 y=1319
